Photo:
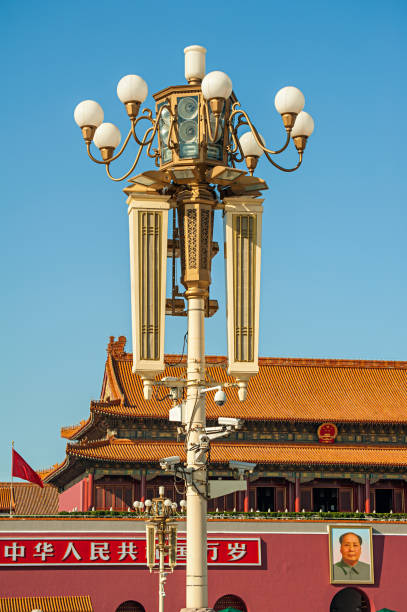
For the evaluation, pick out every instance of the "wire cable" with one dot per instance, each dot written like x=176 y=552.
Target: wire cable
x=167 y=363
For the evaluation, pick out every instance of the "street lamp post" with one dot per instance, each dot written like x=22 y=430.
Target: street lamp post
x=161 y=535
x=195 y=144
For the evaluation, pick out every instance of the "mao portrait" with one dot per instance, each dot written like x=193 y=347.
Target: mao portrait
x=351 y=555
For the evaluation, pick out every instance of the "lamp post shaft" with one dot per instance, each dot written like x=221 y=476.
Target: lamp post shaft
x=161 y=594
x=197 y=573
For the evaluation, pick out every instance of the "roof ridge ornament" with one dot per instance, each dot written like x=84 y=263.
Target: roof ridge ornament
x=116 y=347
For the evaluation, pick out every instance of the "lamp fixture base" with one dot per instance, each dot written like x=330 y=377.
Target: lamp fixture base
x=217 y=105
x=88 y=132
x=251 y=163
x=107 y=152
x=132 y=109
x=289 y=120
x=300 y=142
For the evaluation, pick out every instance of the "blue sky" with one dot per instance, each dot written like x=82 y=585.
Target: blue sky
x=334 y=255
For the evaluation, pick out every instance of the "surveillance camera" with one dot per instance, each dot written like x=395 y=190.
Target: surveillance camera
x=176 y=393
x=168 y=463
x=220 y=397
x=229 y=421
x=242 y=466
x=204 y=440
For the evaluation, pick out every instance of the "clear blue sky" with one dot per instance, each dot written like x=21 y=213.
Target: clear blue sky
x=334 y=255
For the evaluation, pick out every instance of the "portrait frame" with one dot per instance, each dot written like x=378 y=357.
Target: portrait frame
x=339 y=570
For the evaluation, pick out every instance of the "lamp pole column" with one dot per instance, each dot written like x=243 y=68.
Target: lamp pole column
x=197 y=573
x=195 y=211
x=161 y=546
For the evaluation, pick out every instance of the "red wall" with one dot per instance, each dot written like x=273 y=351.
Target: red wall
x=72 y=498
x=294 y=578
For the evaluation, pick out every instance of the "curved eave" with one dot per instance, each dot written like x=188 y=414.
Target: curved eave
x=55 y=476
x=72 y=432
x=316 y=456
x=152 y=410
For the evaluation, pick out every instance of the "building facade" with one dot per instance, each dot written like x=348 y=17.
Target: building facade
x=326 y=435
x=73 y=565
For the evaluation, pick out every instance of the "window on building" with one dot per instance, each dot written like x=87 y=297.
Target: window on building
x=345 y=499
x=226 y=503
x=306 y=498
x=131 y=606
x=117 y=495
x=228 y=602
x=397 y=500
x=265 y=499
x=325 y=499
x=384 y=500
x=350 y=600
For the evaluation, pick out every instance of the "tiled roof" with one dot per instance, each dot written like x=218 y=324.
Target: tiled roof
x=75 y=432
x=5 y=495
x=47 y=471
x=31 y=499
x=70 y=431
x=315 y=390
x=70 y=603
x=269 y=454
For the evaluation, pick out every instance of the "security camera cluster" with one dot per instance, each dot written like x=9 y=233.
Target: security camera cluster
x=201 y=448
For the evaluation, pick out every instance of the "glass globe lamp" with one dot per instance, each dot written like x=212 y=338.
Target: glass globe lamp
x=251 y=150
x=88 y=115
x=132 y=90
x=216 y=87
x=107 y=137
x=289 y=101
x=303 y=128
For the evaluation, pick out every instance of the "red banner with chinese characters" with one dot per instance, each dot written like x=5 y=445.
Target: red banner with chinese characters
x=117 y=551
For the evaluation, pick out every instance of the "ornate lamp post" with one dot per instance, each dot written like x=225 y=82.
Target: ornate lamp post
x=194 y=141
x=161 y=535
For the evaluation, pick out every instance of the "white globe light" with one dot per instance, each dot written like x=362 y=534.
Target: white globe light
x=289 y=100
x=135 y=504
x=174 y=505
x=167 y=503
x=107 y=135
x=216 y=84
x=303 y=126
x=132 y=88
x=249 y=144
x=88 y=113
x=148 y=503
x=182 y=503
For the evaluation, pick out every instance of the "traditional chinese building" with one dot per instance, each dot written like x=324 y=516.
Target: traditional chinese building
x=325 y=434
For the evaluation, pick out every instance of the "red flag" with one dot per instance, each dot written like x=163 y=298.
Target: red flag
x=21 y=469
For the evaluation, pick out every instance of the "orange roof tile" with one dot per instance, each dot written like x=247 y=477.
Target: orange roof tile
x=32 y=499
x=124 y=450
x=78 y=603
x=5 y=495
x=315 y=390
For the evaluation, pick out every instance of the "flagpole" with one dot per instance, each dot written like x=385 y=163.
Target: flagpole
x=11 y=483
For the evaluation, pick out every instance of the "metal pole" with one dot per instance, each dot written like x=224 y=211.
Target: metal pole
x=11 y=483
x=197 y=573
x=161 y=593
